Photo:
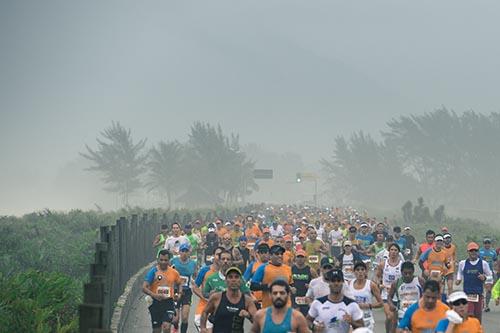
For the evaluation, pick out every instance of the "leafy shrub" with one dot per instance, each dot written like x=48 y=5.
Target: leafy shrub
x=40 y=302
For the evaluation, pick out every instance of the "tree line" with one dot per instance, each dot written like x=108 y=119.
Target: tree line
x=208 y=169
x=446 y=157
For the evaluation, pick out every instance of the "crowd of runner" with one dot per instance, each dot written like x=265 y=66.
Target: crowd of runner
x=291 y=269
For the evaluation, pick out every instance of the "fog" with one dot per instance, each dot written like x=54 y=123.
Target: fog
x=287 y=76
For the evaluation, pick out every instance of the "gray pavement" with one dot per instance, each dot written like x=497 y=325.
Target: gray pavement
x=139 y=319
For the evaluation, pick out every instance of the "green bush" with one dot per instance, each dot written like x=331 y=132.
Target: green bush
x=40 y=302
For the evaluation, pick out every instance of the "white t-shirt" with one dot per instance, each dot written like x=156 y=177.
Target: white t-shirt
x=320 y=288
x=279 y=231
x=336 y=237
x=331 y=314
x=173 y=243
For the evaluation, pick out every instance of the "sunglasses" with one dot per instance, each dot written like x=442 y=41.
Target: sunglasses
x=459 y=302
x=473 y=250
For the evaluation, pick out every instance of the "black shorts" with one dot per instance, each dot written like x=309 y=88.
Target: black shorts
x=186 y=298
x=162 y=312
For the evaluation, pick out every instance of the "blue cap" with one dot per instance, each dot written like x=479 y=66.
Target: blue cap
x=243 y=238
x=184 y=247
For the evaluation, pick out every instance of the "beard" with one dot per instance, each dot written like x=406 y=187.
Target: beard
x=279 y=303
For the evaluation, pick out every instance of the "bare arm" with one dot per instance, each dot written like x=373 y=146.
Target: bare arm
x=209 y=309
x=314 y=274
x=376 y=295
x=390 y=296
x=257 y=321
x=301 y=325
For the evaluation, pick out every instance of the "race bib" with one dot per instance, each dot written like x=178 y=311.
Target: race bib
x=435 y=274
x=300 y=300
x=473 y=298
x=185 y=281
x=313 y=259
x=195 y=258
x=391 y=278
x=209 y=258
x=164 y=290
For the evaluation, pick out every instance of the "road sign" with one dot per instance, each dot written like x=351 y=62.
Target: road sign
x=263 y=173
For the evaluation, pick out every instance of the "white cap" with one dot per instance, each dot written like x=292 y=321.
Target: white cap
x=211 y=229
x=228 y=223
x=456 y=295
x=363 y=225
x=438 y=238
x=407 y=228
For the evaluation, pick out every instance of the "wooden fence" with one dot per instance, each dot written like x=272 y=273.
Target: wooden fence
x=123 y=249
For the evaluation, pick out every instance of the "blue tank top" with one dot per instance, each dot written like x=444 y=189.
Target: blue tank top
x=283 y=327
x=472 y=285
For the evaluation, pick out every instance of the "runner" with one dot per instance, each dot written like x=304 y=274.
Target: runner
x=194 y=241
x=488 y=254
x=289 y=255
x=423 y=316
x=302 y=276
x=228 y=308
x=434 y=262
x=210 y=244
x=347 y=259
x=366 y=293
x=314 y=248
x=160 y=283
x=429 y=242
x=187 y=268
x=173 y=242
x=451 y=254
x=319 y=286
x=261 y=258
x=407 y=290
x=244 y=253
x=388 y=271
x=457 y=319
x=475 y=273
x=398 y=239
x=410 y=243
x=279 y=318
x=159 y=241
x=335 y=236
x=203 y=274
x=335 y=313
x=267 y=273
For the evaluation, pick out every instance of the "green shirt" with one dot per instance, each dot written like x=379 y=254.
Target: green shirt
x=194 y=241
x=218 y=283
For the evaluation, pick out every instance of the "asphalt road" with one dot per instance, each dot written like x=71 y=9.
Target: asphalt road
x=139 y=319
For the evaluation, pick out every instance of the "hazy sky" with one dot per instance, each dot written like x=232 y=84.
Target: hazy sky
x=288 y=75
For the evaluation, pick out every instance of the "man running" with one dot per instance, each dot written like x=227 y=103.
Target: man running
x=187 y=268
x=302 y=276
x=279 y=318
x=314 y=248
x=429 y=242
x=451 y=253
x=335 y=313
x=423 y=316
x=228 y=309
x=216 y=282
x=270 y=272
x=319 y=286
x=406 y=290
x=174 y=242
x=194 y=241
x=410 y=243
x=159 y=241
x=160 y=283
x=475 y=273
x=488 y=254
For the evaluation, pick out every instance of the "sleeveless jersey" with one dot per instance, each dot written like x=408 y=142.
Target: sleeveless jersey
x=226 y=317
x=407 y=294
x=348 y=267
x=363 y=295
x=390 y=274
x=271 y=327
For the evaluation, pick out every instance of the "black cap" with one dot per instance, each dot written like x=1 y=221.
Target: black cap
x=325 y=261
x=352 y=229
x=276 y=249
x=334 y=275
x=263 y=247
